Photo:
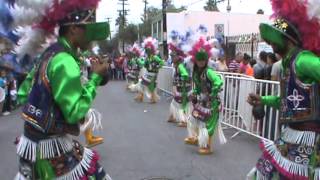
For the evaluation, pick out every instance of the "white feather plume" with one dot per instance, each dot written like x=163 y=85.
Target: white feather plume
x=153 y=41
x=31 y=42
x=24 y=17
x=313 y=9
x=40 y=6
x=215 y=52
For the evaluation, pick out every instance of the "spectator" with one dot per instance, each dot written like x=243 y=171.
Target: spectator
x=125 y=67
x=235 y=64
x=260 y=68
x=253 y=62
x=119 y=67
x=245 y=67
x=221 y=65
x=271 y=59
x=113 y=69
x=275 y=71
x=7 y=103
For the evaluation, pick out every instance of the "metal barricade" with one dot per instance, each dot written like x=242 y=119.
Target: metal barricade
x=236 y=112
x=165 y=79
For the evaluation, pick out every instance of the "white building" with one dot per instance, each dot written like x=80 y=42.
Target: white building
x=218 y=23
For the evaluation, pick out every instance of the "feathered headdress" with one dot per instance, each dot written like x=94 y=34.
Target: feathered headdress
x=6 y=20
x=201 y=50
x=150 y=43
x=176 y=44
x=38 y=19
x=196 y=45
x=216 y=50
x=298 y=20
x=135 y=49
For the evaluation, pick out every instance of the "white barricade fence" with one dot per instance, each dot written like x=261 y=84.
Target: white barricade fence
x=236 y=112
x=165 y=79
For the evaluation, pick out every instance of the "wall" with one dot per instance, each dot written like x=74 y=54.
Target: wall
x=234 y=23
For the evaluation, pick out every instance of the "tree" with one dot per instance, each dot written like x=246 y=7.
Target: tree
x=145 y=26
x=129 y=34
x=211 y=5
x=172 y=8
x=260 y=11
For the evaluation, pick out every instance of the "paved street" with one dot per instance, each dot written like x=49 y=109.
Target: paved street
x=140 y=144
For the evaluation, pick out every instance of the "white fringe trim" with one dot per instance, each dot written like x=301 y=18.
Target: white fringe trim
x=220 y=133
x=317 y=174
x=203 y=135
x=136 y=87
x=252 y=173
x=27 y=149
x=92 y=120
x=299 y=137
x=192 y=127
x=260 y=176
x=149 y=94
x=81 y=168
x=19 y=176
x=289 y=166
x=177 y=111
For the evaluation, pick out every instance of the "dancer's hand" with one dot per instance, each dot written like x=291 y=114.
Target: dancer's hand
x=254 y=99
x=99 y=67
x=193 y=98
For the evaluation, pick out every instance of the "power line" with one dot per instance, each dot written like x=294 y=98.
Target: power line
x=193 y=3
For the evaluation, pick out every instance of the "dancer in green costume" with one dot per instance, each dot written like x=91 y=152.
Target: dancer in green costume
x=180 y=106
x=55 y=101
x=296 y=153
x=152 y=64
x=204 y=119
x=135 y=65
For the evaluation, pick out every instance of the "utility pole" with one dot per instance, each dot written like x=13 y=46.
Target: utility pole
x=108 y=19
x=228 y=6
x=123 y=12
x=145 y=10
x=164 y=25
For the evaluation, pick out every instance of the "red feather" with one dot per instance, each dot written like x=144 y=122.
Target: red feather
x=200 y=44
x=295 y=11
x=59 y=11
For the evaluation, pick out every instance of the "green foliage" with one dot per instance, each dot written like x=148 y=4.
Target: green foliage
x=129 y=34
x=211 y=5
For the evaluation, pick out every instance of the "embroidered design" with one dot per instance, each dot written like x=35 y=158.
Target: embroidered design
x=295 y=97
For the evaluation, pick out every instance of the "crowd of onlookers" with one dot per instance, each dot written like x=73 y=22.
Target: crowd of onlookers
x=8 y=92
x=267 y=67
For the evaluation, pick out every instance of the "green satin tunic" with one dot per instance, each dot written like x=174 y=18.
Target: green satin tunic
x=307 y=68
x=64 y=74
x=216 y=85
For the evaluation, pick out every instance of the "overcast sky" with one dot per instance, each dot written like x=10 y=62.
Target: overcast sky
x=108 y=8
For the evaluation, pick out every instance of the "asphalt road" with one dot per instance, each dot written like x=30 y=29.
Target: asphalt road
x=140 y=144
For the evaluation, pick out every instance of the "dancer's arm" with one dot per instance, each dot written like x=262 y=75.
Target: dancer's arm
x=183 y=72
x=25 y=88
x=73 y=99
x=216 y=82
x=273 y=101
x=159 y=60
x=308 y=67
